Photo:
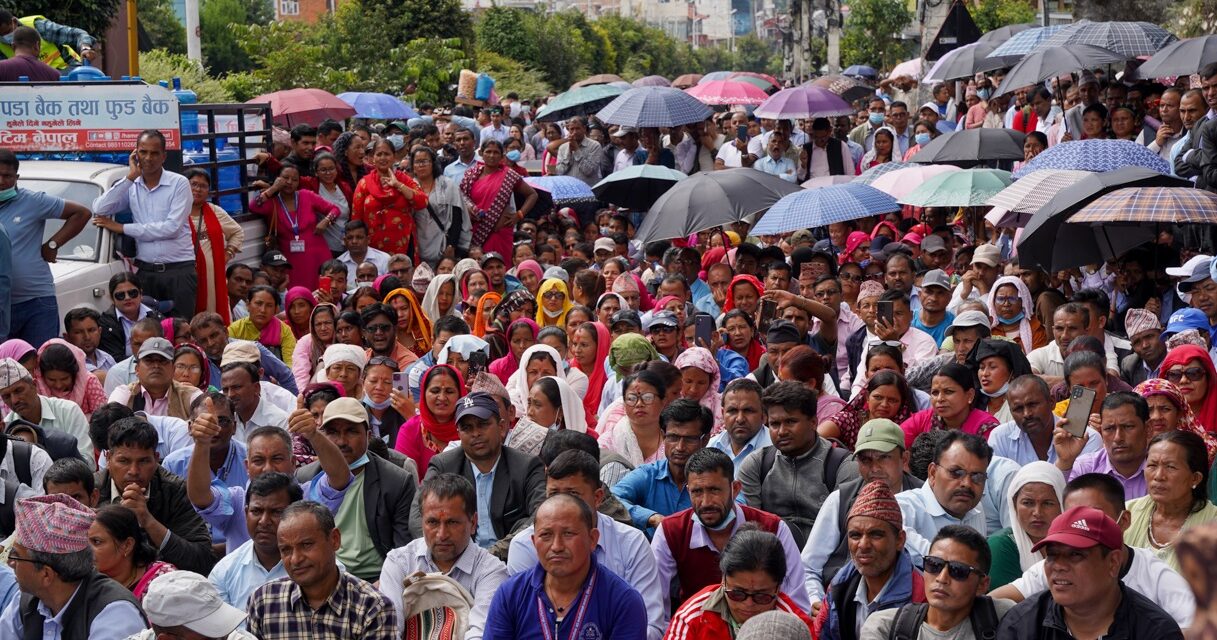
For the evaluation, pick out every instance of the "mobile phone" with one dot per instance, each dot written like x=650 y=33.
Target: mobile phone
x=769 y=311
x=401 y=382
x=477 y=363
x=741 y=132
x=1081 y=403
x=325 y=283
x=704 y=331
x=886 y=310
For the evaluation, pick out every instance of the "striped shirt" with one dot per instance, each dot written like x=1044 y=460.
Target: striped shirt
x=277 y=610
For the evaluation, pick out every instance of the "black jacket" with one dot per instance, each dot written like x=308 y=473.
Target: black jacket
x=189 y=546
x=113 y=338
x=1039 y=617
x=519 y=488
x=388 y=491
x=1193 y=166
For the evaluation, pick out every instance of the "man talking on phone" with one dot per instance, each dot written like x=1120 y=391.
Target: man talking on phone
x=159 y=201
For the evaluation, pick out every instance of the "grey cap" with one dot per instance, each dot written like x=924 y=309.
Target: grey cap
x=969 y=318
x=772 y=625
x=933 y=243
x=936 y=278
x=156 y=346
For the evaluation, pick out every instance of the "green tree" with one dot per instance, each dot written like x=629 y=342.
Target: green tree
x=158 y=64
x=509 y=32
x=1192 y=18
x=753 y=54
x=991 y=14
x=872 y=33
x=219 y=25
x=407 y=20
x=714 y=59
x=160 y=24
x=511 y=75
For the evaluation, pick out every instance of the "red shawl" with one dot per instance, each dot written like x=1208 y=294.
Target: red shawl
x=729 y=303
x=431 y=426
x=596 y=378
x=489 y=196
x=1206 y=413
x=215 y=233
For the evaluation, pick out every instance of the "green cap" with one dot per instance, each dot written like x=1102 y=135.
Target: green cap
x=880 y=435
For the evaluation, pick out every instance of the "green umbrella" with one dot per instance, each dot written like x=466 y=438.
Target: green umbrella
x=967 y=188
x=759 y=83
x=581 y=101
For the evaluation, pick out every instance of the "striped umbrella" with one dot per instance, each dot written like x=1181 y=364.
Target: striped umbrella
x=1014 y=205
x=654 y=107
x=1023 y=42
x=964 y=188
x=820 y=207
x=900 y=183
x=874 y=173
x=728 y=92
x=1129 y=38
x=1095 y=155
x=1156 y=205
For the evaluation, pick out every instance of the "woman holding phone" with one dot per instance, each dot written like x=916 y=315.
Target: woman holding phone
x=298 y=218
x=386 y=200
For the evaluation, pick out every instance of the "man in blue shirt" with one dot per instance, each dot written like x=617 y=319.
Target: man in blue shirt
x=744 y=428
x=6 y=282
x=31 y=289
x=569 y=593
x=776 y=163
x=466 y=155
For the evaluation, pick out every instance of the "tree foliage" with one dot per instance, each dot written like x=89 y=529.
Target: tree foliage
x=872 y=33
x=1101 y=10
x=1192 y=18
x=161 y=26
x=218 y=20
x=93 y=16
x=991 y=14
x=510 y=75
x=158 y=64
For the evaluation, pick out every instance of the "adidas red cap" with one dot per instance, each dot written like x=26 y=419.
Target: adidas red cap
x=1083 y=528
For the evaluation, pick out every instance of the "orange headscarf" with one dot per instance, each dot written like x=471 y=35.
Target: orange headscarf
x=479 y=319
x=420 y=325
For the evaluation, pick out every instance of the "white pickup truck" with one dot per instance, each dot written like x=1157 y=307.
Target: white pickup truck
x=86 y=263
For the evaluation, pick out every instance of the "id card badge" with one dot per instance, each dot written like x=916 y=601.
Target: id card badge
x=297 y=245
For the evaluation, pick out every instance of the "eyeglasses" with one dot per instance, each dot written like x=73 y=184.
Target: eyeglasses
x=663 y=329
x=379 y=328
x=1007 y=299
x=739 y=595
x=129 y=294
x=875 y=277
x=977 y=477
x=187 y=368
x=849 y=277
x=12 y=557
x=934 y=565
x=554 y=295
x=635 y=399
x=673 y=440
x=1194 y=374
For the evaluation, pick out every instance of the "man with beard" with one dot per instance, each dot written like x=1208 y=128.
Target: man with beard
x=1029 y=436
x=687 y=545
x=954 y=485
x=744 y=429
x=659 y=489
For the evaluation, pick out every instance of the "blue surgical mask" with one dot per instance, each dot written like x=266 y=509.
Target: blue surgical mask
x=7 y=38
x=1015 y=320
x=999 y=393
x=379 y=406
x=363 y=460
x=513 y=155
x=876 y=118
x=8 y=194
x=922 y=139
x=983 y=94
x=725 y=523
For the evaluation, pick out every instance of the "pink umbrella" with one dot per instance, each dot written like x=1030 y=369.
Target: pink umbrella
x=727 y=92
x=304 y=106
x=808 y=101
x=902 y=181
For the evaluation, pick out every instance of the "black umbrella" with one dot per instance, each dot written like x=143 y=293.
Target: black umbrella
x=969 y=60
x=1054 y=61
x=710 y=199
x=1181 y=58
x=1050 y=242
x=1002 y=34
x=971 y=147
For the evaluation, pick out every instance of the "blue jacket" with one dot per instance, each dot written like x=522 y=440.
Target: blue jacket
x=903 y=587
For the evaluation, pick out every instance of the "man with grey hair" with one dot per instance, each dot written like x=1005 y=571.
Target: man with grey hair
x=62 y=594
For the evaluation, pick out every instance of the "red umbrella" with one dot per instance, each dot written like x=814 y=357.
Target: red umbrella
x=727 y=92
x=304 y=106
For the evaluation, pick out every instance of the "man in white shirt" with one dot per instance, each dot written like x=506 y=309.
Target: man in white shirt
x=627 y=155
x=917 y=345
x=733 y=153
x=1068 y=322
x=355 y=239
x=21 y=395
x=979 y=279
x=828 y=155
x=1171 y=130
x=951 y=495
x=240 y=378
x=449 y=518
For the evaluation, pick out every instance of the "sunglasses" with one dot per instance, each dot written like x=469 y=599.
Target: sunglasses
x=739 y=595
x=1193 y=374
x=977 y=477
x=379 y=328
x=383 y=361
x=554 y=295
x=849 y=277
x=129 y=294
x=957 y=570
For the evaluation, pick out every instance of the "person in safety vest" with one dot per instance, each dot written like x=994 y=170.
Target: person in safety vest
x=60 y=43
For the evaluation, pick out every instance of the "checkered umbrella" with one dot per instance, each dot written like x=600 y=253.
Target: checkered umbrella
x=1002 y=34
x=1181 y=58
x=1023 y=42
x=1129 y=38
x=686 y=81
x=819 y=207
x=877 y=171
x=1159 y=205
x=1015 y=204
x=654 y=107
x=1095 y=155
x=563 y=190
x=652 y=81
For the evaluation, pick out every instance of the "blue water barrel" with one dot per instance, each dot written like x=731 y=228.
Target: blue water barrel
x=86 y=71
x=190 y=119
x=230 y=178
x=485 y=85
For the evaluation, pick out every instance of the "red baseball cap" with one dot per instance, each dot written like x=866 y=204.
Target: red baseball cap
x=1083 y=528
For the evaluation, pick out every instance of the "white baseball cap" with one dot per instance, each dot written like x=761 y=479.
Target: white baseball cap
x=184 y=598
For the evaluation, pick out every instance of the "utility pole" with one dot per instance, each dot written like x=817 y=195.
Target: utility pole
x=835 y=25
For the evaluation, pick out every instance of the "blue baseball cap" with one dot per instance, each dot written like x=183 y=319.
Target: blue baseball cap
x=479 y=404
x=1185 y=319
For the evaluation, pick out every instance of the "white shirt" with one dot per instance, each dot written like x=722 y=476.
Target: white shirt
x=239 y=573
x=266 y=414
x=278 y=396
x=65 y=416
x=758 y=145
x=476 y=570
x=40 y=462
x=730 y=155
x=375 y=256
x=818 y=162
x=1148 y=575
x=152 y=406
x=160 y=228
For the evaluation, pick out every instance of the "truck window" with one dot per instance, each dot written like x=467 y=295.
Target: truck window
x=84 y=247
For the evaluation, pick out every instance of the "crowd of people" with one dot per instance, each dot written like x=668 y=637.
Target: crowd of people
x=433 y=406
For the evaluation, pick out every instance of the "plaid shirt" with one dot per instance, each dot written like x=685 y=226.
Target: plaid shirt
x=61 y=34
x=277 y=610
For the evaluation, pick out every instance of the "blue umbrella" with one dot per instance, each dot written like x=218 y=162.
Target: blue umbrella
x=377 y=106
x=873 y=173
x=1024 y=41
x=654 y=107
x=824 y=206
x=860 y=70
x=563 y=190
x=1095 y=155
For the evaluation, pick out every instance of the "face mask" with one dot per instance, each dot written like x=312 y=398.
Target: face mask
x=726 y=521
x=8 y=39
x=922 y=139
x=605 y=231
x=999 y=393
x=8 y=194
x=1015 y=320
x=552 y=314
x=513 y=155
x=983 y=94
x=876 y=119
x=379 y=406
x=360 y=462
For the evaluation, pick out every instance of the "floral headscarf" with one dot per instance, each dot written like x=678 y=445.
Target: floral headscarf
x=1187 y=419
x=701 y=358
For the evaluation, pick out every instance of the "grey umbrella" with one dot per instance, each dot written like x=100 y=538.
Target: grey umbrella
x=1055 y=61
x=709 y=199
x=970 y=147
x=1054 y=244
x=1002 y=34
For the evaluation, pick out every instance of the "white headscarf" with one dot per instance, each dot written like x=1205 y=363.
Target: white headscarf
x=1038 y=471
x=431 y=298
x=573 y=416
x=1024 y=294
x=464 y=345
x=517 y=384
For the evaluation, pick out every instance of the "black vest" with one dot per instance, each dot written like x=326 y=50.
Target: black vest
x=96 y=592
x=836 y=165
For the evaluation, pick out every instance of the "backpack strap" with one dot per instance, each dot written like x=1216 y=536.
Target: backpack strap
x=984 y=618
x=768 y=456
x=8 y=517
x=908 y=621
x=22 y=452
x=832 y=464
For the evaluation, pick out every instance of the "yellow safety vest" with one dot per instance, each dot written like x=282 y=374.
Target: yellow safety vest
x=49 y=52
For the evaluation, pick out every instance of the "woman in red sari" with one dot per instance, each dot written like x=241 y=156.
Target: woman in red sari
x=216 y=238
x=386 y=200
x=489 y=187
x=299 y=217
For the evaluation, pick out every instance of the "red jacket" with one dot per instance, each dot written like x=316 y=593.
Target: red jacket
x=693 y=622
